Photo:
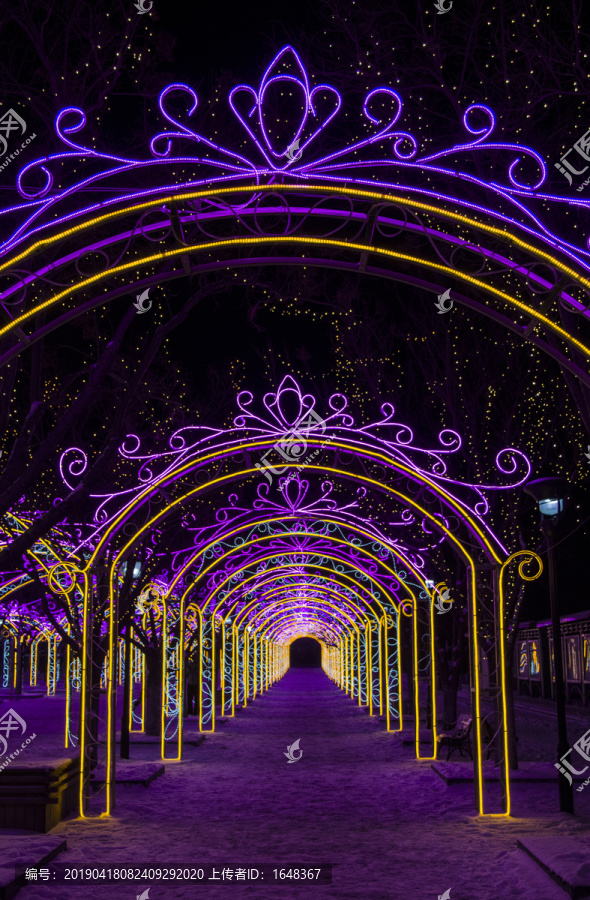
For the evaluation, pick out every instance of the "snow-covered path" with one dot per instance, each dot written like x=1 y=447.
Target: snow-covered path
x=356 y=799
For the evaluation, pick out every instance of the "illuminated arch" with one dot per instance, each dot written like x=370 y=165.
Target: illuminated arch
x=565 y=271
x=365 y=461
x=328 y=209
x=380 y=621
x=477 y=530
x=207 y=623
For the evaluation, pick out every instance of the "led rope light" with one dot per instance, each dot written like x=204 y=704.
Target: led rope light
x=328 y=242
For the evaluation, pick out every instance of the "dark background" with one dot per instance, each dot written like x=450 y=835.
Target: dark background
x=305 y=653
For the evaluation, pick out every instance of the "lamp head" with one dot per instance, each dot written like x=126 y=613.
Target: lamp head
x=549 y=494
x=136 y=569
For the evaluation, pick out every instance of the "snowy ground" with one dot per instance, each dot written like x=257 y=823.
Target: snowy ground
x=536 y=725
x=356 y=799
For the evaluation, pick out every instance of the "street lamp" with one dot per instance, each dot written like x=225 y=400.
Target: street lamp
x=136 y=569
x=550 y=494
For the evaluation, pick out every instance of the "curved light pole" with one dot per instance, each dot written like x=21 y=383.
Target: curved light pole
x=550 y=494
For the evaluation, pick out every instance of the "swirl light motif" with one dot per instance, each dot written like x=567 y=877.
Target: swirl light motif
x=384 y=439
x=75 y=466
x=519 y=198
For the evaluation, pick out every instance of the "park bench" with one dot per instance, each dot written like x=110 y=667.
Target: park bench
x=458 y=739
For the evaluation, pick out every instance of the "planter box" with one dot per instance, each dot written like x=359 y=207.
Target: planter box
x=38 y=796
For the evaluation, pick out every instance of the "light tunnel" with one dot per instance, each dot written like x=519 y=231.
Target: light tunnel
x=215 y=562
x=166 y=603
x=212 y=551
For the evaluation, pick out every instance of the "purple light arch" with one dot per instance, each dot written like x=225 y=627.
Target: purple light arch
x=391 y=441
x=338 y=166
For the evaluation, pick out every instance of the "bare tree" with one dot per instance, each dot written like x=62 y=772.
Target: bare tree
x=78 y=54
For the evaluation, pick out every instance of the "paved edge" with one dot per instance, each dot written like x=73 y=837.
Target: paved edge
x=451 y=775
x=579 y=890
x=11 y=889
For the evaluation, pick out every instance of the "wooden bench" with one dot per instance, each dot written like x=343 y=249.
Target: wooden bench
x=38 y=796
x=458 y=739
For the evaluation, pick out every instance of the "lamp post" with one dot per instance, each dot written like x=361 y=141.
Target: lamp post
x=550 y=494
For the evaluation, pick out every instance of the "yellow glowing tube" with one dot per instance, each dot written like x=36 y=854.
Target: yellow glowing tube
x=86 y=637
x=111 y=695
x=68 y=689
x=246 y=666
x=358 y=665
x=202 y=655
x=300 y=240
x=464 y=552
x=355 y=668
x=15 y=663
x=130 y=672
x=347 y=679
x=235 y=669
x=163 y=698
x=176 y=659
x=528 y=556
x=140 y=668
x=255 y=665
x=51 y=664
x=363 y=479
x=369 y=666
x=351 y=663
x=33 y=661
x=398 y=199
x=222 y=664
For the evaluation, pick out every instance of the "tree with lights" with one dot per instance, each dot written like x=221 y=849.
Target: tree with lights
x=83 y=54
x=495 y=397
x=442 y=64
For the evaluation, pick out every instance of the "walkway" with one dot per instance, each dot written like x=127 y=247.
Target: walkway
x=356 y=799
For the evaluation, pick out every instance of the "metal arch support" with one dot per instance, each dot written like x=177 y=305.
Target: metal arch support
x=524 y=332
x=366 y=221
